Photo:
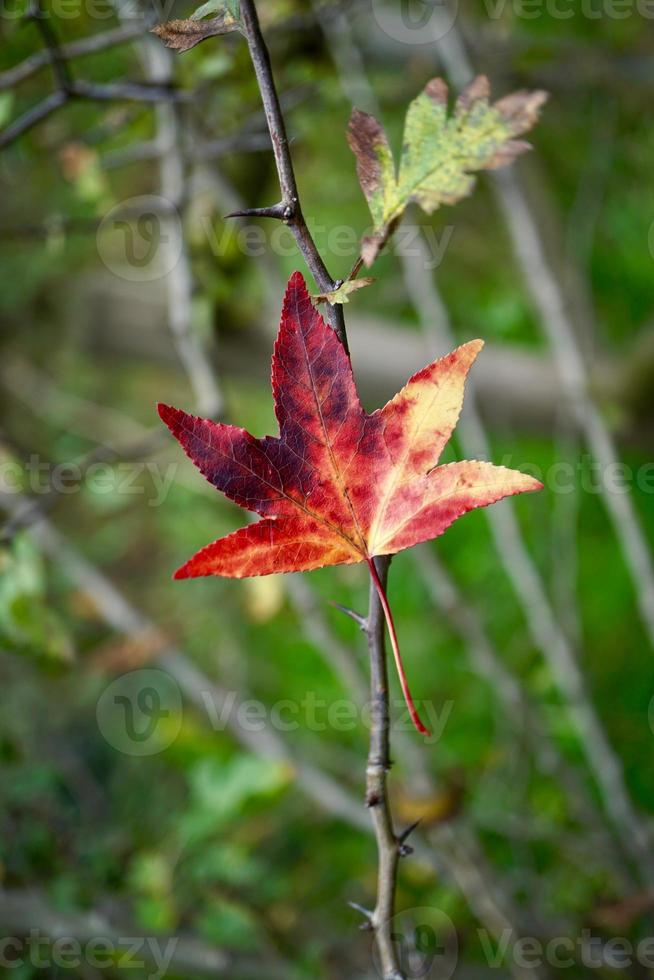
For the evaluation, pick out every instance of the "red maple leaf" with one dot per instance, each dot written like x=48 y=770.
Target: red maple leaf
x=338 y=485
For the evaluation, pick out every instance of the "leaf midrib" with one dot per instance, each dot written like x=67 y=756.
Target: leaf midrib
x=316 y=516
x=361 y=548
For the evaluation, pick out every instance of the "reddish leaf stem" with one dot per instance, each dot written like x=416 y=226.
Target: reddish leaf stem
x=381 y=592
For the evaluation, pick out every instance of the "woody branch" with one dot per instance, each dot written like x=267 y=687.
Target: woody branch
x=289 y=210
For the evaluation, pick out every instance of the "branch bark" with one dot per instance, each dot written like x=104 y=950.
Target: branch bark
x=290 y=210
x=379 y=764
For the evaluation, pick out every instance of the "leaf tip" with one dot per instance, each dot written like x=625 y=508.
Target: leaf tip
x=296 y=281
x=167 y=413
x=186 y=570
x=296 y=295
x=467 y=353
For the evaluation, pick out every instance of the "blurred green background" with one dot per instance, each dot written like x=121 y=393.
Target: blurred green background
x=233 y=821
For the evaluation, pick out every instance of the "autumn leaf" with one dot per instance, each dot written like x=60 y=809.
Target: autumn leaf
x=182 y=35
x=338 y=485
x=439 y=152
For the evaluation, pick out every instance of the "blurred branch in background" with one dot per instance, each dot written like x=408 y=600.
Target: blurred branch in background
x=69 y=89
x=73 y=49
x=157 y=62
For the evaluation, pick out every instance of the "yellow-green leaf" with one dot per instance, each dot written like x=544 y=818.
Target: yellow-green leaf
x=440 y=152
x=342 y=293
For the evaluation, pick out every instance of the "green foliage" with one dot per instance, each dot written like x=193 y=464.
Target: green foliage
x=28 y=625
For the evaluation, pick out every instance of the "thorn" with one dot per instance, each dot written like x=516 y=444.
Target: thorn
x=366 y=913
x=403 y=848
x=281 y=211
x=360 y=620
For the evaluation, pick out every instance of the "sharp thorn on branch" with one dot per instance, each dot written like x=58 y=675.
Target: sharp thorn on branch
x=404 y=849
x=281 y=211
x=360 y=620
x=366 y=913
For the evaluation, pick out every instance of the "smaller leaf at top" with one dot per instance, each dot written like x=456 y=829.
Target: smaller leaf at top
x=439 y=152
x=182 y=35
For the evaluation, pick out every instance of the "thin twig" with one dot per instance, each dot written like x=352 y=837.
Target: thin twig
x=90 y=91
x=291 y=212
x=56 y=59
x=158 y=67
x=33 y=117
x=75 y=49
x=379 y=764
